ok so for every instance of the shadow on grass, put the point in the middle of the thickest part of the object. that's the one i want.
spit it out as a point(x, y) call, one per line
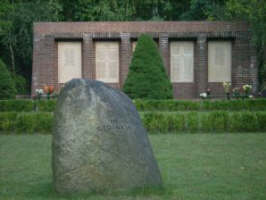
point(46, 191)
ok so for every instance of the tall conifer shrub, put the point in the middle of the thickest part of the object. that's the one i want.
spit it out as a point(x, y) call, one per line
point(147, 78)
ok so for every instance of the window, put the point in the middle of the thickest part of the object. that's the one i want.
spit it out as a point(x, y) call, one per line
point(219, 61)
point(182, 61)
point(107, 62)
point(69, 61)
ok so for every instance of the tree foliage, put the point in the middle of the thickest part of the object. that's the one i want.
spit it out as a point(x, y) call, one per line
point(16, 24)
point(147, 78)
point(204, 9)
point(7, 85)
point(254, 12)
point(17, 16)
point(122, 10)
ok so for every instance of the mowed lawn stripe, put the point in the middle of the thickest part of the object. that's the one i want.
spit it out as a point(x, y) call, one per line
point(201, 166)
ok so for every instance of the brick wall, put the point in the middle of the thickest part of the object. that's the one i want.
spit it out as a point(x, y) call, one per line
point(46, 36)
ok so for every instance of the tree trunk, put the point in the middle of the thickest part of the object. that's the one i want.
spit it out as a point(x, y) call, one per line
point(12, 59)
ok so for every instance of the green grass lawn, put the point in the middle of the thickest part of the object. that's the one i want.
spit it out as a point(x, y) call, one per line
point(193, 166)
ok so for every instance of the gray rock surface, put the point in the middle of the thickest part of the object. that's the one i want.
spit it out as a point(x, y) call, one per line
point(99, 142)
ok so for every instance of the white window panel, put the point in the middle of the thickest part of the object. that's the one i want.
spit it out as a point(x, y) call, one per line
point(219, 61)
point(69, 61)
point(134, 44)
point(107, 62)
point(182, 61)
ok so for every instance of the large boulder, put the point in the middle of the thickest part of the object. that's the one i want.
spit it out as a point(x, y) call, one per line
point(99, 142)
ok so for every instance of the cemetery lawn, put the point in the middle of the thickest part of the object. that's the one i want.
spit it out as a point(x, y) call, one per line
point(193, 166)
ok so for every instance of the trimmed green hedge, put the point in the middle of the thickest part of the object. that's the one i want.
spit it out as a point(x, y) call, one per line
point(207, 122)
point(146, 105)
point(27, 105)
point(203, 105)
point(26, 122)
point(164, 122)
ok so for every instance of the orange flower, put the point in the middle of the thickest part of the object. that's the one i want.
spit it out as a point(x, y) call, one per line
point(51, 89)
point(46, 89)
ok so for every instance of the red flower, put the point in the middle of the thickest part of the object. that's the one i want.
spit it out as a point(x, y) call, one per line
point(48, 89)
point(51, 89)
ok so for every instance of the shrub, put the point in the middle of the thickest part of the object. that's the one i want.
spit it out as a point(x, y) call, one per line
point(163, 122)
point(218, 121)
point(44, 122)
point(146, 105)
point(37, 122)
point(16, 105)
point(7, 121)
point(27, 105)
point(261, 117)
point(204, 122)
point(45, 105)
point(147, 78)
point(213, 122)
point(7, 85)
point(192, 122)
point(176, 123)
point(26, 122)
point(20, 84)
point(181, 105)
point(155, 122)
point(249, 121)
point(243, 122)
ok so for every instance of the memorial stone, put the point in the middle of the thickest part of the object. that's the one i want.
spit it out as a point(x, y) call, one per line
point(99, 142)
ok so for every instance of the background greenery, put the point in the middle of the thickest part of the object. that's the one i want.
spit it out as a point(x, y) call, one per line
point(17, 17)
point(201, 167)
point(7, 85)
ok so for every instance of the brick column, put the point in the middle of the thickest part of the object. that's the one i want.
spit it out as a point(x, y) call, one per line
point(125, 57)
point(88, 57)
point(35, 62)
point(201, 66)
point(49, 63)
point(244, 62)
point(44, 63)
point(164, 50)
point(253, 68)
point(236, 67)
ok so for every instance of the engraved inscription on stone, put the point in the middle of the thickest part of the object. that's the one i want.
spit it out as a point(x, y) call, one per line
point(182, 61)
point(113, 124)
point(219, 61)
point(107, 62)
point(69, 61)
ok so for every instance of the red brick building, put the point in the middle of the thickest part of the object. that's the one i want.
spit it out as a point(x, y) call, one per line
point(197, 55)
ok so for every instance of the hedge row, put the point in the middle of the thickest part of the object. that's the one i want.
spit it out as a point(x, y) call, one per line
point(146, 105)
point(203, 105)
point(27, 105)
point(213, 122)
point(164, 122)
point(26, 122)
